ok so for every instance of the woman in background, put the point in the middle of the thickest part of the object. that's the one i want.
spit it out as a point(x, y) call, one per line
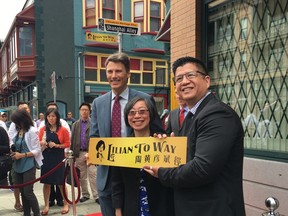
point(4, 149)
point(54, 139)
point(27, 155)
point(134, 191)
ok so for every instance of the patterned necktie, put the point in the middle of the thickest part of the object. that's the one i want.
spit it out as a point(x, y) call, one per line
point(181, 117)
point(116, 118)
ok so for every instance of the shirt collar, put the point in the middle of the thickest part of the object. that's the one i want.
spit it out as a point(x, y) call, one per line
point(194, 108)
point(124, 94)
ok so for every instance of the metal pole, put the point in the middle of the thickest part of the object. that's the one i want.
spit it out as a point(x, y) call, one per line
point(71, 162)
point(119, 42)
point(79, 78)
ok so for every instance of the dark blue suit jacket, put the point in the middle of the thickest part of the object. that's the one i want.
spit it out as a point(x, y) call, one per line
point(210, 183)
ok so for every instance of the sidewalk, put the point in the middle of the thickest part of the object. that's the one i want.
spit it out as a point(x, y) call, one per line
point(7, 203)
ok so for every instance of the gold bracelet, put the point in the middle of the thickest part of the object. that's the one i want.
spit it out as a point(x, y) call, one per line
point(25, 154)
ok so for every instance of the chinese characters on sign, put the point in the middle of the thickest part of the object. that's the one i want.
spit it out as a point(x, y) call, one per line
point(137, 152)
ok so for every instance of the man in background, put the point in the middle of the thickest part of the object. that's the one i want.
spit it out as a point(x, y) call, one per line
point(69, 119)
point(176, 117)
point(79, 146)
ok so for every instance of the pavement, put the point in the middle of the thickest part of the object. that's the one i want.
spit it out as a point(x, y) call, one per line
point(80, 209)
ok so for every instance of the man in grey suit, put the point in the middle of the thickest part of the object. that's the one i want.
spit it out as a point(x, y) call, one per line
point(210, 183)
point(174, 123)
point(118, 73)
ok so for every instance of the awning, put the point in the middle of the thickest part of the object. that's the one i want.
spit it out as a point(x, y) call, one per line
point(164, 32)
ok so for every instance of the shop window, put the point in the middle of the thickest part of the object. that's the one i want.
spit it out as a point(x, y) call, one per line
point(135, 64)
point(252, 74)
point(135, 78)
point(103, 77)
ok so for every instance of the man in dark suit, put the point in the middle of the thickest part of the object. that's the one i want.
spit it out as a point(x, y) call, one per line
point(210, 183)
point(118, 73)
point(177, 116)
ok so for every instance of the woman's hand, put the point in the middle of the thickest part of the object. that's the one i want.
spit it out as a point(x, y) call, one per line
point(118, 212)
point(17, 155)
point(151, 170)
point(43, 144)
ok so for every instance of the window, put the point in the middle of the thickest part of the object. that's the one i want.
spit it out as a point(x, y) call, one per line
point(244, 26)
point(243, 60)
point(257, 85)
point(151, 20)
point(143, 71)
point(108, 9)
point(155, 16)
point(25, 37)
point(90, 68)
point(139, 13)
point(90, 13)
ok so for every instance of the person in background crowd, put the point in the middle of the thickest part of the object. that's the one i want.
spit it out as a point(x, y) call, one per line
point(210, 183)
point(41, 119)
point(27, 155)
point(2, 124)
point(134, 191)
point(118, 74)
point(54, 138)
point(55, 193)
point(79, 146)
point(4, 149)
point(69, 119)
point(177, 116)
point(4, 118)
point(164, 118)
point(12, 132)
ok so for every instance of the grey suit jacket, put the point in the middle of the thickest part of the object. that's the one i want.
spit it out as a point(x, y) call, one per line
point(101, 127)
point(173, 122)
point(75, 136)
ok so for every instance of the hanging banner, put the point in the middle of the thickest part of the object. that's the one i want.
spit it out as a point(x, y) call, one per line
point(136, 152)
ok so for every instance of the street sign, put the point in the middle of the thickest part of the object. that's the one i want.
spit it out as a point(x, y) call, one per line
point(118, 26)
point(105, 38)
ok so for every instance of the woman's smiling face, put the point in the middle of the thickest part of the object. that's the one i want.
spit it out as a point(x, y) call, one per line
point(138, 117)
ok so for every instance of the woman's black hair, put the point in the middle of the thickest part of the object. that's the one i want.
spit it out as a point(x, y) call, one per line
point(22, 120)
point(131, 103)
point(55, 111)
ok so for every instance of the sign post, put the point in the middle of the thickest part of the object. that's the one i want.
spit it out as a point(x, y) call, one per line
point(53, 85)
point(120, 27)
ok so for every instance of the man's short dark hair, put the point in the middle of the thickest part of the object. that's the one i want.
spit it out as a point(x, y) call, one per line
point(85, 104)
point(119, 58)
point(22, 102)
point(51, 104)
point(188, 59)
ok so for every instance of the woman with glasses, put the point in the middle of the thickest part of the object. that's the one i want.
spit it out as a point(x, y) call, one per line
point(135, 192)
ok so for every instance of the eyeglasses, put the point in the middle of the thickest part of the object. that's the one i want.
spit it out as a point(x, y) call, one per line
point(189, 75)
point(140, 112)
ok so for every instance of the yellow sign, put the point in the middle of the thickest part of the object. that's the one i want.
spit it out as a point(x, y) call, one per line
point(121, 23)
point(105, 38)
point(137, 152)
